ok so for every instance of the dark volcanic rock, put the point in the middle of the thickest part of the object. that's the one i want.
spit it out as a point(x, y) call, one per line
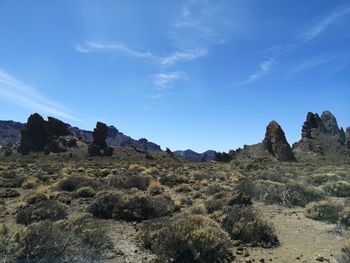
point(56, 128)
point(312, 124)
point(273, 147)
point(38, 135)
point(33, 135)
point(321, 139)
point(347, 135)
point(276, 143)
point(99, 144)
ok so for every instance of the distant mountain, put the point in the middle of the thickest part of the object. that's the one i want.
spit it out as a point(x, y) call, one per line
point(10, 132)
point(194, 156)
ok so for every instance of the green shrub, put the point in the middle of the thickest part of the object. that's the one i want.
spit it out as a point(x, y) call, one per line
point(129, 207)
point(41, 210)
point(187, 239)
point(324, 211)
point(246, 225)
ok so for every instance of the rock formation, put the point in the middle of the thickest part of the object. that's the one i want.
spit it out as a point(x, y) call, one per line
point(347, 135)
point(276, 143)
point(49, 136)
point(273, 147)
point(321, 138)
point(33, 135)
point(99, 145)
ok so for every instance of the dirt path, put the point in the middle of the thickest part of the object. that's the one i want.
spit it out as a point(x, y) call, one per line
point(128, 248)
point(302, 239)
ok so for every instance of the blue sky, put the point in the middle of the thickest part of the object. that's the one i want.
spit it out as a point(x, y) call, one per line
point(184, 74)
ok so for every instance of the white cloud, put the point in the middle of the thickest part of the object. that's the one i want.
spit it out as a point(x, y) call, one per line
point(264, 68)
point(90, 47)
point(326, 22)
point(117, 48)
point(166, 80)
point(22, 94)
point(179, 56)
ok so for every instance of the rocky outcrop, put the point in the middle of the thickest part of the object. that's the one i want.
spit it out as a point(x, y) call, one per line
point(276, 143)
point(347, 134)
point(38, 135)
point(321, 139)
point(99, 145)
point(33, 135)
point(273, 147)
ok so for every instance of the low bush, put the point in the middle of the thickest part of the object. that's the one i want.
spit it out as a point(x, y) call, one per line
point(85, 192)
point(129, 207)
point(81, 240)
point(344, 217)
point(129, 181)
point(9, 193)
point(73, 183)
point(41, 210)
point(172, 180)
point(246, 225)
point(338, 189)
point(289, 194)
point(187, 238)
point(324, 211)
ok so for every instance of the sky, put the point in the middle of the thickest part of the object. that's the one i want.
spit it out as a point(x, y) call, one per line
point(185, 74)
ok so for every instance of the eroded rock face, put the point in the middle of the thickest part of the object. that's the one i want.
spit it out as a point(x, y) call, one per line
point(33, 134)
point(40, 135)
point(321, 139)
point(276, 143)
point(99, 144)
point(347, 134)
point(312, 125)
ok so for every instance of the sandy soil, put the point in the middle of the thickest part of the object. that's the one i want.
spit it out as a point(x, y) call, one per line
point(302, 239)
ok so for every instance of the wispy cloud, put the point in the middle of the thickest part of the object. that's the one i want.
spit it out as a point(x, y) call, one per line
point(165, 81)
point(202, 21)
point(325, 22)
point(22, 94)
point(317, 61)
point(264, 68)
point(178, 56)
point(118, 48)
point(94, 47)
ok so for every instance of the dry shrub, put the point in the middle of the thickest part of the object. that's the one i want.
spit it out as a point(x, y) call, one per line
point(324, 211)
point(41, 210)
point(248, 226)
point(9, 193)
point(129, 181)
point(183, 188)
point(129, 207)
point(173, 180)
point(80, 240)
point(288, 194)
point(73, 183)
point(86, 192)
point(338, 189)
point(187, 238)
